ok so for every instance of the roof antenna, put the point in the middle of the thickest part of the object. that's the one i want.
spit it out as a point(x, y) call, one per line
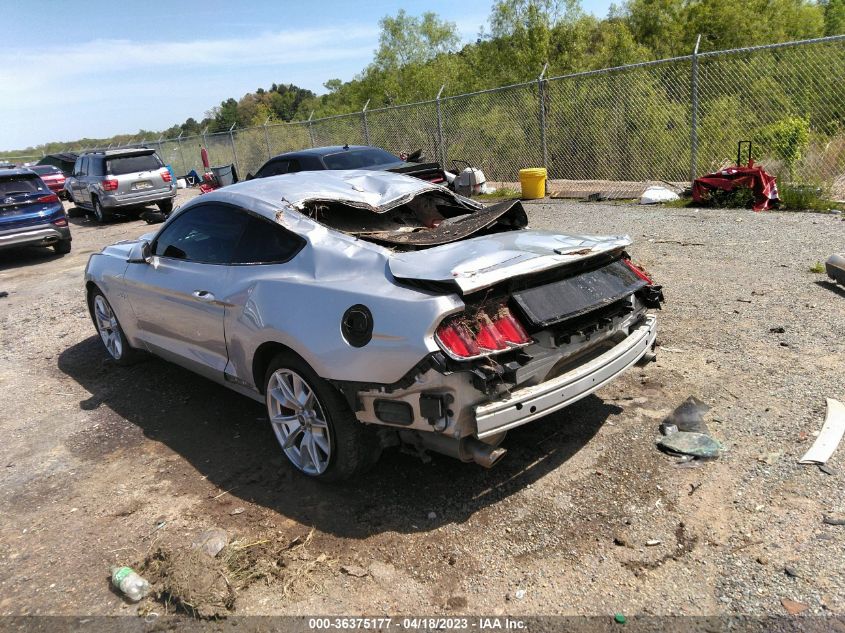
point(346, 146)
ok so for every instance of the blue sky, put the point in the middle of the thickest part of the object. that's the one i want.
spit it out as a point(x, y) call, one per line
point(74, 68)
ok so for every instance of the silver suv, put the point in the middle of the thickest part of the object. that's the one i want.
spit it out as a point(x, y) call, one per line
point(122, 180)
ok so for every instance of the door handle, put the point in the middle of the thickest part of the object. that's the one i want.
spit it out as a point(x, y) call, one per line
point(203, 295)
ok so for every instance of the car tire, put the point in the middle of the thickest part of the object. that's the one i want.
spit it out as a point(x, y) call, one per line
point(110, 331)
point(165, 206)
point(324, 440)
point(62, 247)
point(100, 214)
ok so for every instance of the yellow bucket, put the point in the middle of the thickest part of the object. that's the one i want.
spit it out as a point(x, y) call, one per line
point(533, 182)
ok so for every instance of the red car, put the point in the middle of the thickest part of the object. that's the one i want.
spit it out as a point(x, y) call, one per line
point(52, 177)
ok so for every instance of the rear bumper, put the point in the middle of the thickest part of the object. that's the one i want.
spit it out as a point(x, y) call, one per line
point(524, 405)
point(136, 199)
point(34, 235)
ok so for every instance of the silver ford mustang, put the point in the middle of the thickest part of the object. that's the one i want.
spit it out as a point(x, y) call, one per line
point(369, 309)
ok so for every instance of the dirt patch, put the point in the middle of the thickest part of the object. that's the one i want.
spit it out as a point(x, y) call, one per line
point(189, 580)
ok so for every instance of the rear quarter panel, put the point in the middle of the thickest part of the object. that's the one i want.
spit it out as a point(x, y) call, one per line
point(301, 304)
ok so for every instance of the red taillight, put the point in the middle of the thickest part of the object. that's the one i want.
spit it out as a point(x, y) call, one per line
point(466, 337)
point(511, 329)
point(110, 184)
point(437, 179)
point(489, 336)
point(49, 198)
point(165, 175)
point(456, 338)
point(639, 272)
point(60, 222)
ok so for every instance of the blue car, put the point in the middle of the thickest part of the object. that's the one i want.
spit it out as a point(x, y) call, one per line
point(31, 214)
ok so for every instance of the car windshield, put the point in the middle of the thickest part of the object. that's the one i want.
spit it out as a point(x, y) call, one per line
point(132, 164)
point(20, 184)
point(359, 158)
point(44, 170)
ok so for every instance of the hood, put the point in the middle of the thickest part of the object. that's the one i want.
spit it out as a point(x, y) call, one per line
point(480, 262)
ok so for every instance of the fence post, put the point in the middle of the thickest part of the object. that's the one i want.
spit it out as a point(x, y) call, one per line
point(267, 138)
point(160, 150)
point(232, 141)
point(693, 168)
point(366, 125)
point(181, 153)
point(441, 149)
point(310, 129)
point(542, 98)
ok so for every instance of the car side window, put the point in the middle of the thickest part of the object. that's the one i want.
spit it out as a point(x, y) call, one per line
point(83, 170)
point(274, 168)
point(264, 242)
point(207, 234)
point(77, 167)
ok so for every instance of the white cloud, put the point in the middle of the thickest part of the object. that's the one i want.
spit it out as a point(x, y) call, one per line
point(28, 72)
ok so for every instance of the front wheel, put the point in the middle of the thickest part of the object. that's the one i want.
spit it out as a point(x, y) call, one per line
point(108, 327)
point(314, 425)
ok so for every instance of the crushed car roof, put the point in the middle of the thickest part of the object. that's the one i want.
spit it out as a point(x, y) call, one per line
point(378, 191)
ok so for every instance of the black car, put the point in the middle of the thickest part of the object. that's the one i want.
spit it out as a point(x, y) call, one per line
point(349, 157)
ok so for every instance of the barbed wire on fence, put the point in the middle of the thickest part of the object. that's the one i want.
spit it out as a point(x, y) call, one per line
point(663, 120)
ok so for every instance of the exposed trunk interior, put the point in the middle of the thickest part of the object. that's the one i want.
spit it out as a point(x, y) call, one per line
point(429, 219)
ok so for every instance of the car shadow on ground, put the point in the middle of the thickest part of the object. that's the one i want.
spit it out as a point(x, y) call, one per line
point(82, 218)
point(226, 437)
point(22, 256)
point(832, 286)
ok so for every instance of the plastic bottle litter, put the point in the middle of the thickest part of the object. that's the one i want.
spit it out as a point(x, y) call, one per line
point(130, 583)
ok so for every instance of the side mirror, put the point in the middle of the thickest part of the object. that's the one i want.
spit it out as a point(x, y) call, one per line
point(146, 255)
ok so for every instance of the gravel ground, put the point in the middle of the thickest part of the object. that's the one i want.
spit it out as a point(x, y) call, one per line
point(104, 464)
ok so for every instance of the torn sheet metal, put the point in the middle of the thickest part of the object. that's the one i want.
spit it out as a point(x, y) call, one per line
point(830, 435)
point(378, 191)
point(480, 262)
point(453, 229)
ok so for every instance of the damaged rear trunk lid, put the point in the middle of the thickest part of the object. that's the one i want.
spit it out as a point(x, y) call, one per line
point(480, 262)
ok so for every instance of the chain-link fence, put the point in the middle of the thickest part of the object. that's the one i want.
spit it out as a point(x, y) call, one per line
point(607, 130)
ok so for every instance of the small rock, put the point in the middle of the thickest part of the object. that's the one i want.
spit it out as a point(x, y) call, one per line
point(784, 344)
point(762, 560)
point(832, 519)
point(621, 541)
point(354, 570)
point(777, 330)
point(653, 542)
point(432, 516)
point(211, 541)
point(792, 607)
point(791, 572)
point(667, 428)
point(3, 294)
point(237, 511)
point(520, 594)
point(770, 458)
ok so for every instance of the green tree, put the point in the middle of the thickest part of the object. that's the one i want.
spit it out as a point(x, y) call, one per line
point(834, 17)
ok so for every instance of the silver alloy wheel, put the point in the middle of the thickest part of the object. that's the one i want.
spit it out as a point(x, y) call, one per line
point(108, 327)
point(299, 422)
